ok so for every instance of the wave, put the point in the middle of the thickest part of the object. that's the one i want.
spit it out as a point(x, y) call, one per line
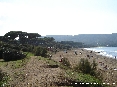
point(105, 51)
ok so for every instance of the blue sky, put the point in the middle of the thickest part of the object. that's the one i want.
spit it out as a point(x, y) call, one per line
point(59, 17)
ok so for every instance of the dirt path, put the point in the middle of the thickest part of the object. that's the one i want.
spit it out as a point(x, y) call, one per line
point(34, 74)
point(37, 75)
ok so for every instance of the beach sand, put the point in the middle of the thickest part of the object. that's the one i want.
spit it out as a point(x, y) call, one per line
point(107, 66)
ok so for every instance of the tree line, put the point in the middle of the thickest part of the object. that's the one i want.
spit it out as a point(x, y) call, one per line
point(12, 48)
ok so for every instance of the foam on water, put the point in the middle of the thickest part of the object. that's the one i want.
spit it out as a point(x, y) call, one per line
point(105, 51)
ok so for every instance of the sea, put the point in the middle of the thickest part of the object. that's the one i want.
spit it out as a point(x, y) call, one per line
point(105, 51)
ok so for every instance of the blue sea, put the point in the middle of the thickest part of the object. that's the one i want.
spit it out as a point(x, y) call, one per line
point(105, 51)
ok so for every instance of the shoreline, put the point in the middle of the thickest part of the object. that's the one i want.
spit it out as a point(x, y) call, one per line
point(102, 52)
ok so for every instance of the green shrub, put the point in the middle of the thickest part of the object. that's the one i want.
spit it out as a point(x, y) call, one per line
point(93, 68)
point(44, 52)
point(37, 51)
point(65, 64)
point(40, 51)
point(85, 67)
point(11, 55)
point(26, 48)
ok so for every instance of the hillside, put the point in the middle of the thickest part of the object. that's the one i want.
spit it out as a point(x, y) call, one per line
point(90, 39)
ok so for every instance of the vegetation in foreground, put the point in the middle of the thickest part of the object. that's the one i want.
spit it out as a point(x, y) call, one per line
point(83, 72)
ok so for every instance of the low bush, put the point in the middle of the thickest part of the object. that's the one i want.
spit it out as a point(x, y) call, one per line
point(65, 64)
point(85, 67)
point(26, 48)
point(11, 55)
point(40, 51)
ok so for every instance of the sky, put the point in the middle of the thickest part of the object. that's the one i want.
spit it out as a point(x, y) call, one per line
point(58, 17)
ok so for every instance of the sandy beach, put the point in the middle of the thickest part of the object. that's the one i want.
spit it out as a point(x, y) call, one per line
point(107, 66)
